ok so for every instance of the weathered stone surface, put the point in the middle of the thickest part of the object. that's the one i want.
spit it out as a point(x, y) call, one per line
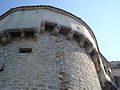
point(51, 57)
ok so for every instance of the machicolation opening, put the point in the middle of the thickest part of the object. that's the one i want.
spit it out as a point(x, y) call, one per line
point(64, 30)
point(15, 34)
point(49, 27)
point(29, 34)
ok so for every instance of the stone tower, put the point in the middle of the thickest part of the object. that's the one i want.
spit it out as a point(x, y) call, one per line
point(46, 48)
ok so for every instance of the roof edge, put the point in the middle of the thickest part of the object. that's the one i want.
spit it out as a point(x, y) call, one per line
point(51, 8)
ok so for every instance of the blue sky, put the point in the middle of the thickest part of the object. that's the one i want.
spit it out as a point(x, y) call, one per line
point(103, 16)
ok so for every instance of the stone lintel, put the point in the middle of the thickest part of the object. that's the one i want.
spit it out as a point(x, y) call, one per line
point(48, 22)
point(13, 30)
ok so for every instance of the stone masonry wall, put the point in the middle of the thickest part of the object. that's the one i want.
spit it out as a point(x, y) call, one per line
point(54, 64)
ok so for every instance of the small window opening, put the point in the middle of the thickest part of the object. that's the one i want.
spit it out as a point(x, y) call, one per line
point(1, 68)
point(29, 34)
point(49, 27)
point(15, 34)
point(92, 54)
point(25, 50)
point(86, 44)
point(76, 37)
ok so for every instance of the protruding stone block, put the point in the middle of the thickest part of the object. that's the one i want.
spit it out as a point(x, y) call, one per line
point(95, 57)
point(70, 34)
point(22, 33)
point(89, 49)
point(81, 42)
point(42, 27)
point(8, 36)
point(4, 41)
point(56, 30)
point(97, 64)
point(35, 33)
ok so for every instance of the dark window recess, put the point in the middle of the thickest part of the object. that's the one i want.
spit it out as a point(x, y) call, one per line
point(76, 37)
point(49, 27)
point(92, 54)
point(86, 44)
point(15, 34)
point(64, 31)
point(105, 69)
point(117, 83)
point(25, 50)
point(0, 40)
point(29, 34)
point(1, 68)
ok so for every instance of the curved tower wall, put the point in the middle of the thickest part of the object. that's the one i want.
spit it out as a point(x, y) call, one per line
point(45, 49)
point(33, 18)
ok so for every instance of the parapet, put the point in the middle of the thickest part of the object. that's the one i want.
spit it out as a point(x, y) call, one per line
point(30, 21)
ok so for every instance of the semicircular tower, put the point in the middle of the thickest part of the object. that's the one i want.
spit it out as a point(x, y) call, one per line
point(46, 48)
